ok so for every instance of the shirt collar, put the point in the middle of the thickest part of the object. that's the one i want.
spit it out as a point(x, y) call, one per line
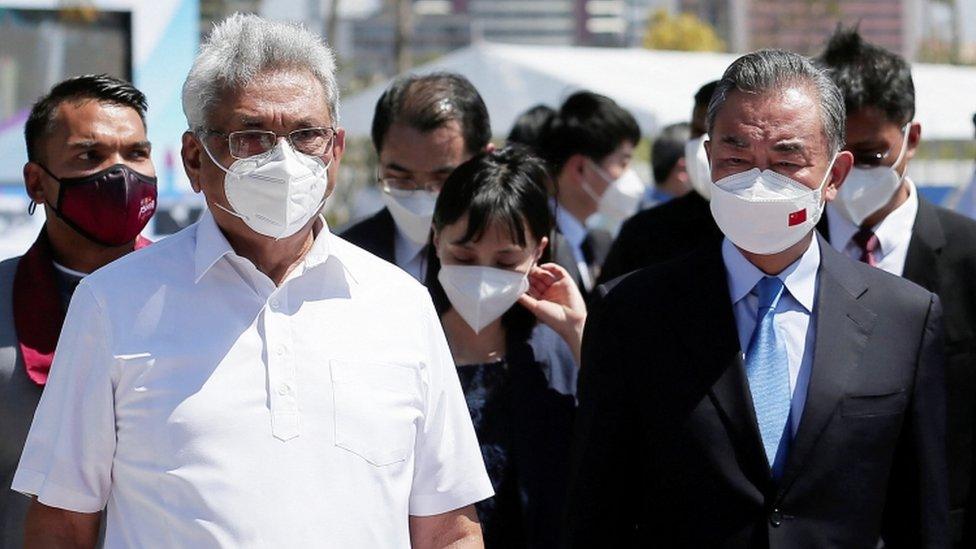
point(212, 245)
point(800, 278)
point(572, 230)
point(894, 231)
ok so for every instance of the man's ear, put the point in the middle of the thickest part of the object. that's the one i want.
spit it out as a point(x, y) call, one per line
point(490, 147)
point(34, 182)
point(914, 138)
point(192, 155)
point(838, 173)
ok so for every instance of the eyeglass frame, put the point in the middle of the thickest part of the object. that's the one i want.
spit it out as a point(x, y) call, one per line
point(878, 158)
point(204, 132)
point(429, 186)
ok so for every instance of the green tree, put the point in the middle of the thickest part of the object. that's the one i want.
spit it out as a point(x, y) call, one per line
point(684, 32)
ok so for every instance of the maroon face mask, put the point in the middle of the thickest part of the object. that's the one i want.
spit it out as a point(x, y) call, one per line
point(110, 207)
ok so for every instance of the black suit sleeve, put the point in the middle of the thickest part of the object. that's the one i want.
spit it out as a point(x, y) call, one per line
point(602, 507)
point(619, 260)
point(917, 510)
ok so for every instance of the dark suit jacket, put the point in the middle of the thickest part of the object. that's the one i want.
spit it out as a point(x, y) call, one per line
point(942, 259)
point(562, 254)
point(667, 452)
point(659, 234)
point(375, 234)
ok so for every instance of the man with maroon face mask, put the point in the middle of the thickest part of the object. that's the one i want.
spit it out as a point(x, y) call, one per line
point(89, 168)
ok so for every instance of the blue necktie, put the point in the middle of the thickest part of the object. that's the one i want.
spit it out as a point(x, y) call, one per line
point(768, 372)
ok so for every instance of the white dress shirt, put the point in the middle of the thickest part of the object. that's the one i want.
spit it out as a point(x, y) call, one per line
point(894, 234)
point(410, 256)
point(575, 233)
point(795, 320)
point(208, 407)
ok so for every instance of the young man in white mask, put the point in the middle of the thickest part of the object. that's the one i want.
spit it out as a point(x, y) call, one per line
point(763, 391)
point(254, 381)
point(678, 226)
point(589, 145)
point(424, 127)
point(880, 218)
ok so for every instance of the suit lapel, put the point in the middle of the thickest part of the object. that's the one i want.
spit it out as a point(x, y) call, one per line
point(843, 327)
point(927, 241)
point(720, 356)
point(386, 236)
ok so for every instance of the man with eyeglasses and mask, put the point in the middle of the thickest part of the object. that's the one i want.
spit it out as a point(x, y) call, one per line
point(89, 169)
point(254, 380)
point(424, 127)
point(764, 390)
point(880, 218)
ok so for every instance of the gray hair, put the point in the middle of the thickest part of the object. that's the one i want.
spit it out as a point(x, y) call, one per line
point(242, 47)
point(768, 70)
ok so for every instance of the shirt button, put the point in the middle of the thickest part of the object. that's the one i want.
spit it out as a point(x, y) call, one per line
point(776, 518)
point(275, 304)
point(280, 350)
point(284, 389)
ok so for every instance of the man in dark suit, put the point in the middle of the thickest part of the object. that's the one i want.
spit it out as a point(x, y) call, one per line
point(880, 218)
point(763, 391)
point(589, 145)
point(676, 227)
point(424, 127)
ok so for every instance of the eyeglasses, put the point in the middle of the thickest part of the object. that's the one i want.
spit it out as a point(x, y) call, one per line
point(403, 187)
point(873, 159)
point(247, 143)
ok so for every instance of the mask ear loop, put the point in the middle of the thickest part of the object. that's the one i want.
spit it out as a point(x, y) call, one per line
point(901, 154)
point(32, 207)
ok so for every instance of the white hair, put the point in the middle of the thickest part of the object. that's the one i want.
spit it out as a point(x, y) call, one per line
point(242, 47)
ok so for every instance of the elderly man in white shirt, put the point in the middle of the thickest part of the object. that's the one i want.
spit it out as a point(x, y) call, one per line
point(254, 381)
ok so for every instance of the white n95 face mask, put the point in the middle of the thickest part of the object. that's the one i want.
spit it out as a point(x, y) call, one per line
point(412, 213)
point(623, 194)
point(696, 164)
point(275, 193)
point(867, 190)
point(481, 294)
point(765, 212)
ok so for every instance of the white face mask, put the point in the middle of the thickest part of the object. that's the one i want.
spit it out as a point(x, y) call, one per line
point(867, 190)
point(412, 213)
point(481, 294)
point(622, 197)
point(275, 193)
point(765, 212)
point(696, 164)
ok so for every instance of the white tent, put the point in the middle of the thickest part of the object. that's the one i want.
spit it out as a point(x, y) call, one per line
point(657, 86)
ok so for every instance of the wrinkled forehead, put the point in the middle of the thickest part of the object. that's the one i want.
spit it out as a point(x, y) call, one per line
point(783, 117)
point(274, 97)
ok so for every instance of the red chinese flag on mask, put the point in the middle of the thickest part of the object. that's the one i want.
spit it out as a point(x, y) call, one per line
point(797, 217)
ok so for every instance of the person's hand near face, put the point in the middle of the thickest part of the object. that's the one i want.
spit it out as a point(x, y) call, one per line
point(556, 301)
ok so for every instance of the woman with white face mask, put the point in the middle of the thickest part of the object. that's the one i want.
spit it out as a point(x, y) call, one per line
point(492, 287)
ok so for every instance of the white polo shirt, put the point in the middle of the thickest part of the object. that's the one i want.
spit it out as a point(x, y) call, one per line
point(209, 408)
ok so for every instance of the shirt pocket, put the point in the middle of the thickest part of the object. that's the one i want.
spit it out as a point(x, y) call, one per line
point(882, 403)
point(377, 406)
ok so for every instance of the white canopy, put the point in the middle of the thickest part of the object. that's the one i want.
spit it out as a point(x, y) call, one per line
point(657, 86)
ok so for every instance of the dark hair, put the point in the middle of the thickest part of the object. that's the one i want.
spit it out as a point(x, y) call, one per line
point(99, 87)
point(590, 124)
point(530, 125)
point(668, 148)
point(704, 94)
point(427, 102)
point(508, 185)
point(772, 70)
point(869, 76)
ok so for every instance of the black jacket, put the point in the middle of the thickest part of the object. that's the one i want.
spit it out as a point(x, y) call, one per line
point(375, 234)
point(666, 449)
point(661, 233)
point(942, 259)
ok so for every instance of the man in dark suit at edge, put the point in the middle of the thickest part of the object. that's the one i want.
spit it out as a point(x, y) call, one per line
point(880, 218)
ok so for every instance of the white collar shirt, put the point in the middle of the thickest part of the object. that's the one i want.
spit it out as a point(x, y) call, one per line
point(795, 320)
point(410, 256)
point(894, 234)
point(208, 407)
point(575, 234)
